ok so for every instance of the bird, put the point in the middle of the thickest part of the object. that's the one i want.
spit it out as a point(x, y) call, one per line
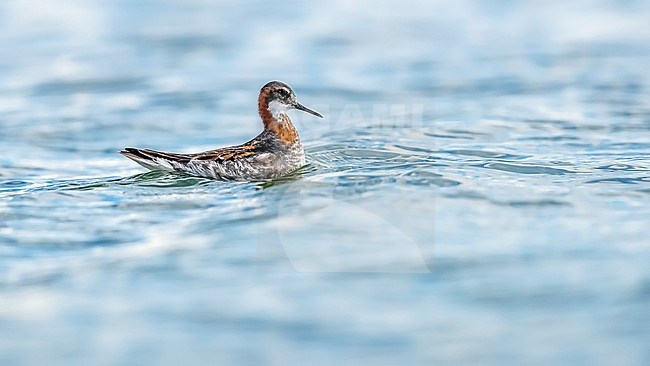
point(274, 153)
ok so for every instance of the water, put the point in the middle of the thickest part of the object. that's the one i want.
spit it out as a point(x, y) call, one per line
point(478, 193)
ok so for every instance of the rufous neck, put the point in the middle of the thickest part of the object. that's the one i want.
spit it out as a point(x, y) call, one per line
point(280, 125)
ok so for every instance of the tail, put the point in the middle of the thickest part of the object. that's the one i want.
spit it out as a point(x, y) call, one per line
point(156, 160)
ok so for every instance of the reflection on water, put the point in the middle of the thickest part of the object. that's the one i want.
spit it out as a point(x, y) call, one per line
point(478, 191)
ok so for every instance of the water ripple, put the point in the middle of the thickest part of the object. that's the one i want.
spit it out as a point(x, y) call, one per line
point(484, 154)
point(88, 86)
point(526, 169)
point(623, 180)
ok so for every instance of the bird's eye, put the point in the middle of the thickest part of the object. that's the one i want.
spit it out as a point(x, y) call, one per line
point(283, 92)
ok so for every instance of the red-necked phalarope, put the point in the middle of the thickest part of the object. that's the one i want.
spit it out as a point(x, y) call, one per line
point(273, 153)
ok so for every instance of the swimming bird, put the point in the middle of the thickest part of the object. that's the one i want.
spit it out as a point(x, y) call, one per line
point(273, 153)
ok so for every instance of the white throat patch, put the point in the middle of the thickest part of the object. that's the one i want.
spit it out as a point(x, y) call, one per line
point(278, 109)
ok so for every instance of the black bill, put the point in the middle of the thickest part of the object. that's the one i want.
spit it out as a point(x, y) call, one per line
point(305, 109)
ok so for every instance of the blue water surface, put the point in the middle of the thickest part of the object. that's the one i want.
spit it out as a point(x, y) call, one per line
point(478, 193)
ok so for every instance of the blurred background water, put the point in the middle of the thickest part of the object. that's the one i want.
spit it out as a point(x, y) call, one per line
point(478, 192)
